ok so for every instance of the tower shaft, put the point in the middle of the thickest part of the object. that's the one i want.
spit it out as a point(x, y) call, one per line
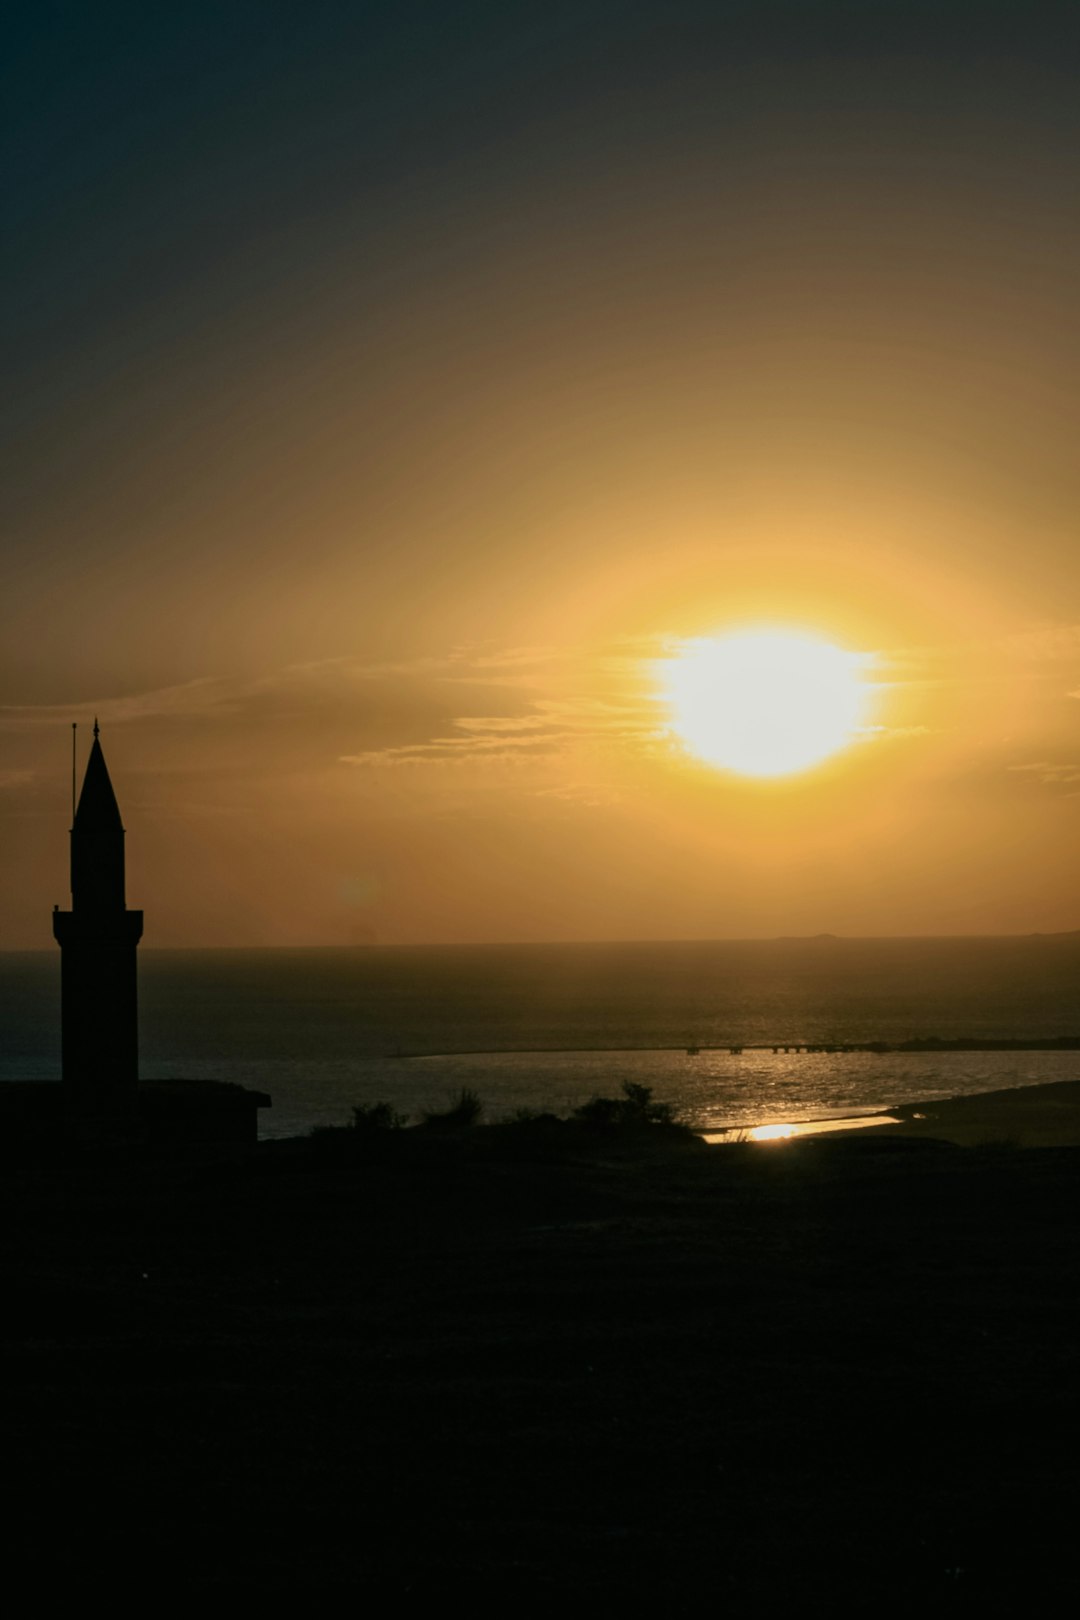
point(98, 939)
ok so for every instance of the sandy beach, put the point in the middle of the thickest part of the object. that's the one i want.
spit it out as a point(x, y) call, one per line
point(1026, 1116)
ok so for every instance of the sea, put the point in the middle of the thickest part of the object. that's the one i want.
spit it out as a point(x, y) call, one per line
point(549, 1026)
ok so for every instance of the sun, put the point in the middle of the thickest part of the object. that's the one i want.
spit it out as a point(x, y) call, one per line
point(765, 702)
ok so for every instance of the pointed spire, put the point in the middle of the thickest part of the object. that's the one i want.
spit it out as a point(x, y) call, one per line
point(97, 806)
point(97, 841)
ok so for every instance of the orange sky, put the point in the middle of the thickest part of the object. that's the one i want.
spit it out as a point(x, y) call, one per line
point(365, 455)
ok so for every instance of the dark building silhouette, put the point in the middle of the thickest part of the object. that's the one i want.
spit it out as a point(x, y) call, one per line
point(98, 939)
point(101, 1099)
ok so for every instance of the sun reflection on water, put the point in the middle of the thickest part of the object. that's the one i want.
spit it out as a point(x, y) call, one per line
point(784, 1130)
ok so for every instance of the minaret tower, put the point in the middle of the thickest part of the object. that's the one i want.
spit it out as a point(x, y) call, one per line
point(97, 939)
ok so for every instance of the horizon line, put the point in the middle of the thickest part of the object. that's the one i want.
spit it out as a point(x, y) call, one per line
point(533, 944)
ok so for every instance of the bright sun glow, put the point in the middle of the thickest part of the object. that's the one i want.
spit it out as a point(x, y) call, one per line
point(765, 703)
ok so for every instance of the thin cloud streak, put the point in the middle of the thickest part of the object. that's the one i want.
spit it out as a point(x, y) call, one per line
point(190, 698)
point(1052, 775)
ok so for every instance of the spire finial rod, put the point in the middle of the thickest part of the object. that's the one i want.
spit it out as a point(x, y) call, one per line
point(95, 726)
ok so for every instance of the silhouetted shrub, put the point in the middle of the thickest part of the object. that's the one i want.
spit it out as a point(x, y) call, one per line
point(377, 1130)
point(529, 1135)
point(368, 1118)
point(634, 1110)
point(599, 1113)
point(464, 1110)
point(528, 1116)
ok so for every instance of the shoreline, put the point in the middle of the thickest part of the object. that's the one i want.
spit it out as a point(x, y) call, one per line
point(1042, 1115)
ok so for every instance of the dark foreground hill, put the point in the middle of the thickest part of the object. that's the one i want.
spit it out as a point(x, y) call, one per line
point(523, 1371)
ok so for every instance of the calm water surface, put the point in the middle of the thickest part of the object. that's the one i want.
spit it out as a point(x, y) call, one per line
point(533, 1025)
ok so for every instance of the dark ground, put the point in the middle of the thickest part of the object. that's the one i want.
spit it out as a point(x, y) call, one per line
point(527, 1375)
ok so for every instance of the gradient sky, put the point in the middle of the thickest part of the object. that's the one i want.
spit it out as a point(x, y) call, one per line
point(389, 386)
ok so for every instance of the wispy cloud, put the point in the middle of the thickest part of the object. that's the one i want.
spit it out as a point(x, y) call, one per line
point(590, 794)
point(479, 665)
point(191, 697)
point(478, 705)
point(1041, 652)
point(1048, 772)
point(549, 727)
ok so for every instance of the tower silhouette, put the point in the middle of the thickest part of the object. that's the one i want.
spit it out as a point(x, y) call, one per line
point(97, 939)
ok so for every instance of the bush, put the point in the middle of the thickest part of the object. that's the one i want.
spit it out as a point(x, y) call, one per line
point(634, 1110)
point(369, 1118)
point(599, 1113)
point(465, 1110)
